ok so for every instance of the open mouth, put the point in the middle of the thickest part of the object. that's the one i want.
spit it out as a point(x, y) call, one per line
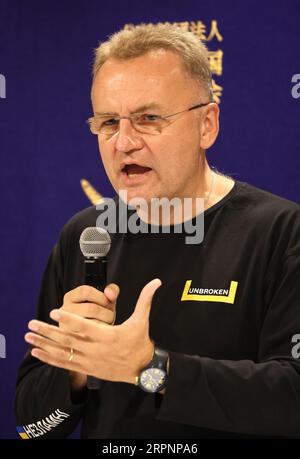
point(133, 170)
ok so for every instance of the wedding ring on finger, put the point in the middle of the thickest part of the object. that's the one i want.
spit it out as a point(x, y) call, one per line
point(71, 355)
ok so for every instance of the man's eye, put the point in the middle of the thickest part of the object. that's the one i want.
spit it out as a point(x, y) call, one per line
point(110, 122)
point(146, 118)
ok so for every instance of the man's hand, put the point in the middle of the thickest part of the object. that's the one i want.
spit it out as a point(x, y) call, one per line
point(113, 353)
point(88, 302)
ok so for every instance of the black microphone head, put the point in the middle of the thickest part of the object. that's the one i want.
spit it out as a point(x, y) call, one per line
point(94, 242)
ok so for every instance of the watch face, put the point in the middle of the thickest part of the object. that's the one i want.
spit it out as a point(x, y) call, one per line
point(152, 379)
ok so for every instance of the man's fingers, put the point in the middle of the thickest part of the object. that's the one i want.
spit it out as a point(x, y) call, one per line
point(143, 305)
point(112, 291)
point(55, 334)
point(86, 293)
point(59, 360)
point(80, 325)
point(91, 311)
point(48, 345)
point(90, 303)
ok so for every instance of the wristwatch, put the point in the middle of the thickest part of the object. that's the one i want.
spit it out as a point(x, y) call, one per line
point(153, 377)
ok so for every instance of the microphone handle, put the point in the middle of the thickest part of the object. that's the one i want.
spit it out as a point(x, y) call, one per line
point(95, 276)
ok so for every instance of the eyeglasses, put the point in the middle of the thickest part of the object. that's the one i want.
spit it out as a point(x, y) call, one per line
point(145, 123)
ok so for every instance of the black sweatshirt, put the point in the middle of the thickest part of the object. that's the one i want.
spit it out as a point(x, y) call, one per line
point(227, 311)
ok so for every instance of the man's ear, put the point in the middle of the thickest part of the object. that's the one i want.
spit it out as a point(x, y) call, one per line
point(209, 128)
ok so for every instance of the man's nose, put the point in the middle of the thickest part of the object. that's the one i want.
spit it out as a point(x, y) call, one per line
point(127, 138)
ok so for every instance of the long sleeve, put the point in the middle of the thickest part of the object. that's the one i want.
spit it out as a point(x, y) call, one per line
point(43, 405)
point(260, 397)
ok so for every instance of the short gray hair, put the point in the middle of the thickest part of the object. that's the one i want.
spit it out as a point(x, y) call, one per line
point(134, 42)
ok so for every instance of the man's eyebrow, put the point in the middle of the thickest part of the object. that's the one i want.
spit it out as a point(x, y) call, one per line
point(142, 108)
point(151, 106)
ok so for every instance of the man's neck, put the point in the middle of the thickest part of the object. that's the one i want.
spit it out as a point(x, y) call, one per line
point(166, 212)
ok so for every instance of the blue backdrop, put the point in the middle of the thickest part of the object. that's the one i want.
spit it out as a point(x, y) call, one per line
point(46, 148)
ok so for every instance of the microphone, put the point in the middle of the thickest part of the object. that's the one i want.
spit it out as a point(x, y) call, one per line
point(95, 244)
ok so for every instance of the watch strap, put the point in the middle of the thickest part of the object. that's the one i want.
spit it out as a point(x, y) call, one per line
point(159, 359)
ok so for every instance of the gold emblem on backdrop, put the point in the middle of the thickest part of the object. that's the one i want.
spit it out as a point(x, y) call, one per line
point(91, 193)
point(216, 66)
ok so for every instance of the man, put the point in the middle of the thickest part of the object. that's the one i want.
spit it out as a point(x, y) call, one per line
point(215, 320)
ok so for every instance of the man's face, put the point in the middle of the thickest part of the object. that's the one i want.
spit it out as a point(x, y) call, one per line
point(171, 161)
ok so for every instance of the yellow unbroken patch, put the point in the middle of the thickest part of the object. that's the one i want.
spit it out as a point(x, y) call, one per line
point(197, 294)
